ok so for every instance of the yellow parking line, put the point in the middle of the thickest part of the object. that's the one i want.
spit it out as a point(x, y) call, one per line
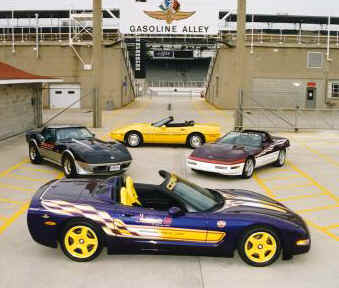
point(21, 177)
point(41, 170)
point(291, 186)
point(317, 209)
point(15, 216)
point(3, 218)
point(301, 197)
point(323, 229)
point(261, 183)
point(21, 211)
point(18, 188)
point(323, 156)
point(16, 166)
point(330, 227)
point(3, 200)
point(315, 183)
point(287, 177)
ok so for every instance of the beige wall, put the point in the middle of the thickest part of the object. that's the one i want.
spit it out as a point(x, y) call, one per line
point(279, 63)
point(61, 62)
point(19, 108)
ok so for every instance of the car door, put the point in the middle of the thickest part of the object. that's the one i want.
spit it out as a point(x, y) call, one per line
point(149, 228)
point(48, 148)
point(268, 155)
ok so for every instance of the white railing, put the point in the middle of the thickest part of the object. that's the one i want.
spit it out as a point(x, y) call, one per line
point(176, 84)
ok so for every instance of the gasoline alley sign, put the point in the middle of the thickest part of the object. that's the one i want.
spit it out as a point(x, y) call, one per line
point(169, 17)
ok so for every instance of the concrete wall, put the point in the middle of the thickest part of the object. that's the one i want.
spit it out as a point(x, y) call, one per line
point(60, 61)
point(271, 75)
point(19, 108)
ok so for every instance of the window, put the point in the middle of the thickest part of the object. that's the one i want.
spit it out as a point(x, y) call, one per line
point(49, 135)
point(58, 92)
point(335, 90)
point(314, 60)
point(71, 92)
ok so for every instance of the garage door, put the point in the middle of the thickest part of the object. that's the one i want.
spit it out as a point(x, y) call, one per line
point(64, 95)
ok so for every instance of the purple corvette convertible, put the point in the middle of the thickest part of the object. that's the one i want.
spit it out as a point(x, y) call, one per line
point(84, 216)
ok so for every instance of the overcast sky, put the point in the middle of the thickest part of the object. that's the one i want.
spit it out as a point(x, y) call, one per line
point(293, 7)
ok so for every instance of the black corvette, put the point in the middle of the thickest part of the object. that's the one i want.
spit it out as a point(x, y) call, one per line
point(77, 150)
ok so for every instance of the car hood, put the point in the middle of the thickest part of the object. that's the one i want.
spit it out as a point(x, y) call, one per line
point(224, 152)
point(95, 151)
point(247, 201)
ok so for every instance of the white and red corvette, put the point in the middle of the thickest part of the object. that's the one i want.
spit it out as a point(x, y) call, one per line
point(239, 153)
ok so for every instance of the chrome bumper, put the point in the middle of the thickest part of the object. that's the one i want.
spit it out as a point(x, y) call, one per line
point(101, 169)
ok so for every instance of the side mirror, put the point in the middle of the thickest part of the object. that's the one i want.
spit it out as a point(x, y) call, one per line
point(40, 138)
point(176, 212)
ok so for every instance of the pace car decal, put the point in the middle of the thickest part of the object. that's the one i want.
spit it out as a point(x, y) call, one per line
point(117, 228)
point(270, 148)
point(234, 201)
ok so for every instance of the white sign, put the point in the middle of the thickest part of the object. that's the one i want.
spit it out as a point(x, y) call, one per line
point(198, 17)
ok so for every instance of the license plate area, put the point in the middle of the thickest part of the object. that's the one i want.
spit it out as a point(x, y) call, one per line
point(114, 168)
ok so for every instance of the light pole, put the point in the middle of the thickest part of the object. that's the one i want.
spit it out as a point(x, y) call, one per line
point(241, 59)
point(97, 63)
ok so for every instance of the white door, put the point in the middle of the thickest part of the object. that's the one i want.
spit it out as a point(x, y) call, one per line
point(64, 95)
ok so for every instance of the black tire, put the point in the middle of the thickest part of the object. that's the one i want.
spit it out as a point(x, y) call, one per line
point(78, 253)
point(34, 154)
point(68, 165)
point(195, 140)
point(248, 169)
point(133, 139)
point(269, 251)
point(281, 159)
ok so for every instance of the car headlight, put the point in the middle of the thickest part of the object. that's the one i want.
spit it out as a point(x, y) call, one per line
point(305, 242)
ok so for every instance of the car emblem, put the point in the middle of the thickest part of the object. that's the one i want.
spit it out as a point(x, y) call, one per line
point(45, 216)
point(112, 157)
point(221, 224)
point(210, 157)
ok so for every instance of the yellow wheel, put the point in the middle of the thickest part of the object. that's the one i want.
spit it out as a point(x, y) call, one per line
point(81, 242)
point(260, 247)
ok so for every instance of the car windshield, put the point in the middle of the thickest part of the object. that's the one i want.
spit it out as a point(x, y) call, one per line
point(73, 133)
point(162, 122)
point(245, 139)
point(196, 198)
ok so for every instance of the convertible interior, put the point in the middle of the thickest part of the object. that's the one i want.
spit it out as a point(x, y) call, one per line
point(169, 122)
point(145, 195)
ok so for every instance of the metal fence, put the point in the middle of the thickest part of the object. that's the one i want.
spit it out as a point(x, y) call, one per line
point(269, 116)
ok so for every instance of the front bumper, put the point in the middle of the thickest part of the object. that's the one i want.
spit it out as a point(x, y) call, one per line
point(102, 169)
point(117, 136)
point(223, 169)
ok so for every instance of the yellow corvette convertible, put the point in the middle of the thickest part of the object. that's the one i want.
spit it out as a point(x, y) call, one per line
point(167, 132)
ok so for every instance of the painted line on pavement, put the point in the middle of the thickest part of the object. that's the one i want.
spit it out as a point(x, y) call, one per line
point(301, 197)
point(290, 186)
point(324, 190)
point(323, 229)
point(39, 170)
point(317, 209)
point(3, 200)
point(17, 188)
point(14, 167)
point(22, 177)
point(24, 205)
point(287, 177)
point(315, 183)
point(14, 216)
point(328, 159)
